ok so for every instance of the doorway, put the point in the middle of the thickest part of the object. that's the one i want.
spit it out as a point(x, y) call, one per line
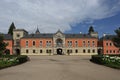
point(17, 51)
point(59, 51)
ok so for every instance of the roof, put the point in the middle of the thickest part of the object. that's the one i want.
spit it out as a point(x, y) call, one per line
point(78, 36)
point(7, 36)
point(20, 30)
point(107, 37)
point(39, 36)
point(50, 35)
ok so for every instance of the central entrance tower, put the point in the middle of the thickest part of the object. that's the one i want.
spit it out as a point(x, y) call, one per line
point(59, 43)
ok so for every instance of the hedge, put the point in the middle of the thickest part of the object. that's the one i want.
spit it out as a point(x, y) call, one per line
point(110, 61)
point(11, 60)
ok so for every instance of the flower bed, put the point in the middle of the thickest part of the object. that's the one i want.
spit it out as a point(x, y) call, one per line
point(11, 60)
point(110, 61)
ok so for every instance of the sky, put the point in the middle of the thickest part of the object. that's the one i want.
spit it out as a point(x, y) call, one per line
point(70, 16)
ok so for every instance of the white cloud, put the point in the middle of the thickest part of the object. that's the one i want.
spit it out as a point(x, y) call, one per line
point(51, 15)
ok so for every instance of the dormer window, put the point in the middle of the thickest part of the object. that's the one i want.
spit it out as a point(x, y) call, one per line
point(18, 35)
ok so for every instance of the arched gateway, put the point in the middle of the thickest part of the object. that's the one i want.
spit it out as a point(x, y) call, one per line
point(59, 51)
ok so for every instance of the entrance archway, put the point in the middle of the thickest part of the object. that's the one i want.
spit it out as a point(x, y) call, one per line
point(59, 51)
point(99, 51)
point(18, 51)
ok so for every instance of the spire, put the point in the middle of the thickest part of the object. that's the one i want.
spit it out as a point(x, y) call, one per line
point(37, 31)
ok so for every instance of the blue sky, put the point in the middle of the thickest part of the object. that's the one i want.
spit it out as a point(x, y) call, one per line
point(70, 16)
point(103, 26)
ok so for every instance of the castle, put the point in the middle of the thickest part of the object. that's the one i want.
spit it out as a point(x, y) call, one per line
point(58, 43)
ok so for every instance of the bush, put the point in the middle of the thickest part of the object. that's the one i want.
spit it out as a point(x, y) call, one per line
point(110, 61)
point(11, 60)
point(22, 58)
point(97, 59)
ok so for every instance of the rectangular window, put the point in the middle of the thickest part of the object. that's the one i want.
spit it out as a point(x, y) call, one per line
point(33, 51)
point(33, 43)
point(76, 51)
point(107, 51)
point(106, 44)
point(93, 51)
point(26, 43)
point(110, 51)
point(41, 51)
point(48, 43)
point(110, 44)
point(84, 51)
point(40, 43)
point(76, 43)
point(88, 43)
point(88, 50)
point(93, 43)
point(84, 43)
point(69, 43)
point(27, 51)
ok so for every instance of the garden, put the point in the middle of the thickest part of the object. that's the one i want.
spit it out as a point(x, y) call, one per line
point(112, 61)
point(12, 60)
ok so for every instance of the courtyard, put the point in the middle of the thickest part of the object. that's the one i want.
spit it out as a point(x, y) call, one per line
point(59, 68)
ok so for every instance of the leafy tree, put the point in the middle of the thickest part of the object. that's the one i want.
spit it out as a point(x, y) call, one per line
point(116, 39)
point(91, 29)
point(2, 45)
point(12, 26)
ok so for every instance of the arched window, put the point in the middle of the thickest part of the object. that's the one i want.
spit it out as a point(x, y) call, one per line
point(84, 51)
point(59, 42)
point(88, 50)
point(33, 43)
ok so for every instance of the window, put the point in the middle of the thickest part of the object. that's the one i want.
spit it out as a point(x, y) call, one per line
point(41, 51)
point(33, 51)
point(40, 43)
point(27, 51)
point(114, 51)
point(110, 44)
point(47, 51)
point(18, 35)
point(48, 43)
point(50, 51)
point(93, 43)
point(69, 43)
point(88, 43)
point(84, 43)
point(106, 44)
point(69, 51)
point(84, 51)
point(93, 51)
point(110, 51)
point(33, 43)
point(88, 50)
point(107, 51)
point(26, 43)
point(76, 43)
point(76, 51)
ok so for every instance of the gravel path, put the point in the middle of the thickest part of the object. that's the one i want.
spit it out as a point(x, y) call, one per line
point(59, 68)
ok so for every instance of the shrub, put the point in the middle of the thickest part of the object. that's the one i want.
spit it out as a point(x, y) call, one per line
point(11, 60)
point(110, 61)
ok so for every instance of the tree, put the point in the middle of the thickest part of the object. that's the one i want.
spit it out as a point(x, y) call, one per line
point(12, 26)
point(2, 45)
point(116, 39)
point(91, 29)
